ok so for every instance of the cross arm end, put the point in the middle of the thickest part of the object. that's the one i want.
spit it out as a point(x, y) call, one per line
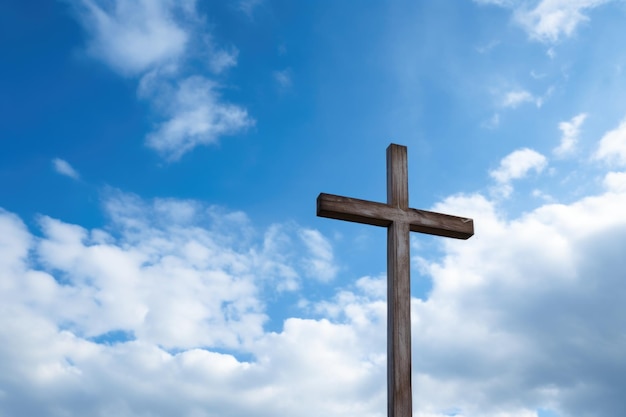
point(439, 224)
point(353, 210)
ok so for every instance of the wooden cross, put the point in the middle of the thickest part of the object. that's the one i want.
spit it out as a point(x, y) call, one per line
point(399, 219)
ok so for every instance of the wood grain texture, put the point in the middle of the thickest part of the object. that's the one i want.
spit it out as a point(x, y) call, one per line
point(399, 220)
point(380, 214)
point(397, 177)
point(399, 391)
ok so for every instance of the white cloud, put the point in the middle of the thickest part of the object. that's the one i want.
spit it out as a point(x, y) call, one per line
point(516, 97)
point(517, 165)
point(488, 47)
point(542, 195)
point(548, 20)
point(571, 132)
point(14, 244)
point(162, 278)
point(520, 302)
point(612, 146)
point(493, 122)
point(156, 40)
point(196, 115)
point(173, 286)
point(495, 2)
point(220, 60)
point(615, 181)
point(320, 264)
point(284, 78)
point(552, 19)
point(537, 75)
point(134, 36)
point(248, 6)
point(522, 315)
point(64, 168)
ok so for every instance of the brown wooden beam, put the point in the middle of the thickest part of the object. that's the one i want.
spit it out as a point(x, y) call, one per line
point(380, 214)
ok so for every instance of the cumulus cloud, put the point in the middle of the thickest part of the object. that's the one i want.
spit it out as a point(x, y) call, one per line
point(571, 132)
point(134, 318)
point(615, 181)
point(134, 36)
point(157, 41)
point(548, 20)
point(196, 115)
point(517, 165)
point(158, 276)
point(530, 289)
point(64, 168)
point(146, 289)
point(612, 146)
point(162, 312)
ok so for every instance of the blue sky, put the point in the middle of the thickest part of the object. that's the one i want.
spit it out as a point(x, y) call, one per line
point(159, 165)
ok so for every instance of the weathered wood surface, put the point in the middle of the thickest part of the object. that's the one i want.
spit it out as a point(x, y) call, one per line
point(399, 390)
point(381, 214)
point(399, 220)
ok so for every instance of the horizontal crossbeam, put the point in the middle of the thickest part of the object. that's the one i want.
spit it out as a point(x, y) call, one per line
point(380, 214)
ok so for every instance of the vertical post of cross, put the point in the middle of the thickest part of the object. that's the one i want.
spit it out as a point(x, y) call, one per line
point(399, 392)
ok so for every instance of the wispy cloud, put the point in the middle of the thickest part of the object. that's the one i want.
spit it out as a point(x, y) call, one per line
point(320, 263)
point(493, 122)
point(486, 48)
point(612, 146)
point(156, 40)
point(64, 168)
point(195, 115)
point(571, 132)
point(548, 20)
point(222, 59)
point(284, 78)
point(552, 19)
point(248, 6)
point(514, 98)
point(496, 2)
point(518, 96)
point(135, 36)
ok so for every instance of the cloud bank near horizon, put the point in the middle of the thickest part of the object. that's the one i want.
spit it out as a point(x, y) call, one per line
point(525, 315)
